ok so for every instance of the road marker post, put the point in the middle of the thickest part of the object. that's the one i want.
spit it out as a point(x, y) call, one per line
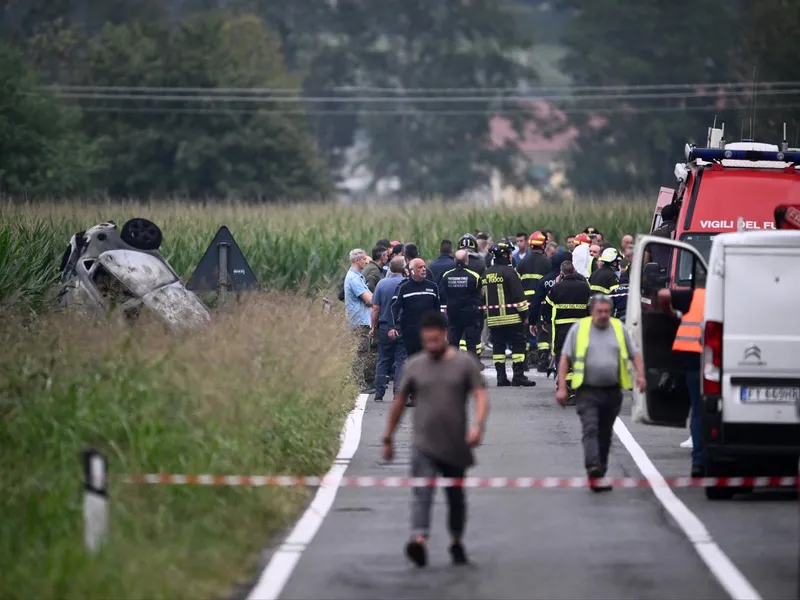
point(95, 500)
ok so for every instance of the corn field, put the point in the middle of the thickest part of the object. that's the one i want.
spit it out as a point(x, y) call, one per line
point(287, 246)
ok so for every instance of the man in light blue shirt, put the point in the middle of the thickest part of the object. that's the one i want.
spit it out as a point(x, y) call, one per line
point(357, 305)
point(391, 352)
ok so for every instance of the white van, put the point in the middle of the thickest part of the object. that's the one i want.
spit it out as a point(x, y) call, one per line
point(750, 373)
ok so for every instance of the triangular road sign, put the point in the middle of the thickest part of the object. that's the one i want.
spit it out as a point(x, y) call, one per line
point(206, 275)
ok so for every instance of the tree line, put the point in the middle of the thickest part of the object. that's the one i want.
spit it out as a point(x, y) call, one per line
point(266, 100)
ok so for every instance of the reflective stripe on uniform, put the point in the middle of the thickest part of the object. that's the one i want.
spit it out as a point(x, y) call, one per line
point(531, 276)
point(503, 320)
point(517, 358)
point(499, 358)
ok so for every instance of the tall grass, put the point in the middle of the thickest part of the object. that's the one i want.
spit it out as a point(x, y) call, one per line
point(287, 246)
point(244, 396)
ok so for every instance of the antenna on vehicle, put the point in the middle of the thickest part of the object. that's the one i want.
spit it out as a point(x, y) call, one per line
point(741, 136)
point(755, 100)
point(785, 143)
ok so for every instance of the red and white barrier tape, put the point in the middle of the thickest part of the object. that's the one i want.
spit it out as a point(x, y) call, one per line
point(474, 482)
point(493, 306)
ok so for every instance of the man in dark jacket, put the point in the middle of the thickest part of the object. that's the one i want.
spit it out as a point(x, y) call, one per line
point(569, 302)
point(460, 293)
point(415, 296)
point(444, 263)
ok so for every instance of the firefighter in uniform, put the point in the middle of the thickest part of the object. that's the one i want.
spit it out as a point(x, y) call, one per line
point(531, 270)
point(477, 264)
point(569, 303)
point(502, 287)
point(540, 313)
point(604, 280)
point(460, 294)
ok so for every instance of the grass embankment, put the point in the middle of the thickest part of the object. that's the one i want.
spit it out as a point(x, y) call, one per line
point(257, 392)
point(287, 246)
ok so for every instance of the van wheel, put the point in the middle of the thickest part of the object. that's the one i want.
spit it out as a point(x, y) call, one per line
point(720, 469)
point(720, 493)
point(142, 234)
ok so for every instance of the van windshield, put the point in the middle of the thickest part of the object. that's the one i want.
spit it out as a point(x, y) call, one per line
point(702, 243)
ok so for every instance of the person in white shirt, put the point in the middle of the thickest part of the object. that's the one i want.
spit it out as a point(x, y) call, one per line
point(580, 255)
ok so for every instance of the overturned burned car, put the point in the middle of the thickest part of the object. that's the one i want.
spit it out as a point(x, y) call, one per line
point(105, 269)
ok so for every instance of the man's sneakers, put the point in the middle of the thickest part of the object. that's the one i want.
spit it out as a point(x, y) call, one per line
point(417, 553)
point(594, 474)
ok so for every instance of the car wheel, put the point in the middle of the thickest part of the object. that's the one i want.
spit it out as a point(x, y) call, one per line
point(142, 234)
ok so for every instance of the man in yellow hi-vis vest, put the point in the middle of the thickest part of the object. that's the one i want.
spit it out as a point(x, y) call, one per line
point(600, 353)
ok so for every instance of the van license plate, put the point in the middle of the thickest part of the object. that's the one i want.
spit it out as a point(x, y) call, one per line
point(777, 395)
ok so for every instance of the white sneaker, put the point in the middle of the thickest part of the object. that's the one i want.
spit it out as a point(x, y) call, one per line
point(508, 352)
point(687, 443)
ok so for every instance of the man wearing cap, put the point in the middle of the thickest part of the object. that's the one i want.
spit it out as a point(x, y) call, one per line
point(581, 258)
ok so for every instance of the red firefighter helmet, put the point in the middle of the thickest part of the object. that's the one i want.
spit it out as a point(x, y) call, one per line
point(537, 239)
point(582, 238)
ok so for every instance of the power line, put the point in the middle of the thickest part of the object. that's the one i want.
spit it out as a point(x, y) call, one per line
point(402, 90)
point(415, 99)
point(407, 112)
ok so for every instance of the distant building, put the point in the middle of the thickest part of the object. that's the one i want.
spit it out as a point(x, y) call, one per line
point(544, 143)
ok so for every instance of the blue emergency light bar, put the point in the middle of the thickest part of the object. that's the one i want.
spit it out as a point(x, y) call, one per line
point(715, 154)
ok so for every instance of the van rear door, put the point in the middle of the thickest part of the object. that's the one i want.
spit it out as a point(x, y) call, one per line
point(761, 331)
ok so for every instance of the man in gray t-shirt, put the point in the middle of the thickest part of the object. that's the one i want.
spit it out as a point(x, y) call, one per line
point(599, 396)
point(441, 379)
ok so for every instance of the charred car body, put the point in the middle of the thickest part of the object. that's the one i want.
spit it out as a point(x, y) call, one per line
point(104, 268)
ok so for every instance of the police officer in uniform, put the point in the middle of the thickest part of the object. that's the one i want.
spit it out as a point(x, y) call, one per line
point(605, 280)
point(502, 287)
point(460, 293)
point(569, 303)
point(531, 270)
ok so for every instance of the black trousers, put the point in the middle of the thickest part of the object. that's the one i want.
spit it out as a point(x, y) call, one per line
point(508, 335)
point(467, 326)
point(411, 341)
point(598, 408)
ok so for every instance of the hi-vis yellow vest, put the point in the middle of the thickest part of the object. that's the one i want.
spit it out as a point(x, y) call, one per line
point(582, 345)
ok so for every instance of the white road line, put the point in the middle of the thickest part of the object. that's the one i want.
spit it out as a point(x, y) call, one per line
point(721, 567)
point(275, 576)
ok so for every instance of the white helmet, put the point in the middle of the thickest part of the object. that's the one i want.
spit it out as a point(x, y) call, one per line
point(610, 256)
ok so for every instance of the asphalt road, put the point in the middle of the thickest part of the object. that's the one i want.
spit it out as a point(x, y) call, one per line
point(544, 543)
